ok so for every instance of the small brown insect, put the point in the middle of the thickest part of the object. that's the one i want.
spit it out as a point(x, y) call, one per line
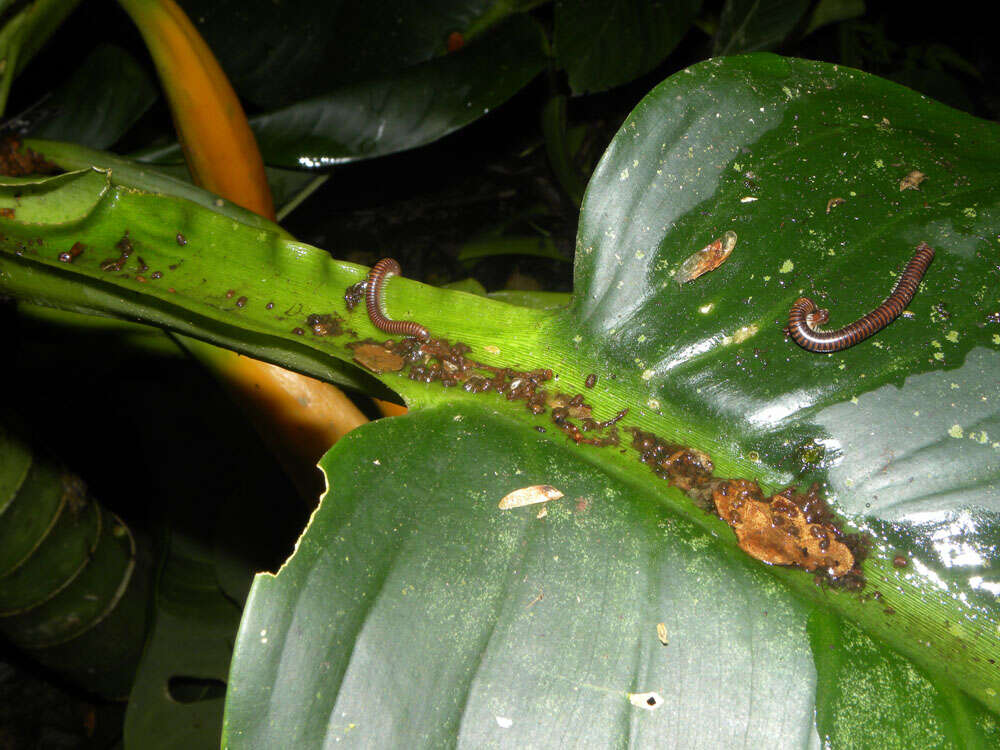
point(804, 335)
point(181, 239)
point(591, 380)
point(707, 259)
point(373, 300)
point(900, 561)
point(70, 255)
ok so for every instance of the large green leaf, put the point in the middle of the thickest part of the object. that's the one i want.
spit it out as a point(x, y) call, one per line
point(757, 145)
point(25, 29)
point(71, 593)
point(605, 43)
point(279, 54)
point(749, 25)
point(99, 102)
point(401, 110)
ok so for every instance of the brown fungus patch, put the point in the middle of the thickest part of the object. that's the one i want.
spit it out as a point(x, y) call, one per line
point(790, 528)
point(17, 160)
point(685, 468)
point(439, 361)
point(325, 325)
point(376, 358)
point(776, 530)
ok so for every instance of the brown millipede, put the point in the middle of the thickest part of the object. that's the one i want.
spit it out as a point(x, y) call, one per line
point(801, 331)
point(373, 300)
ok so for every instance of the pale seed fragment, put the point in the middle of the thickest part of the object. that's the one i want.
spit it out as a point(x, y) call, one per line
point(537, 493)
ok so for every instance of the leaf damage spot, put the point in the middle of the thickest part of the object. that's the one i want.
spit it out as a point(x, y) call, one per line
point(537, 493)
point(376, 358)
point(779, 531)
point(649, 701)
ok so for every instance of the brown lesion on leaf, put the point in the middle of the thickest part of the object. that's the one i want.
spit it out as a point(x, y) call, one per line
point(376, 358)
point(687, 469)
point(788, 528)
point(327, 324)
point(784, 529)
point(439, 361)
point(17, 160)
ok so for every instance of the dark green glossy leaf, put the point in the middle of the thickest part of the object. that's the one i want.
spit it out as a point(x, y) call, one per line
point(71, 596)
point(858, 677)
point(416, 613)
point(400, 111)
point(750, 25)
point(832, 11)
point(279, 54)
point(758, 145)
point(605, 43)
point(99, 102)
point(25, 28)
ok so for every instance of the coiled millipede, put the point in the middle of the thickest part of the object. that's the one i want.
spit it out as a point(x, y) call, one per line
point(801, 330)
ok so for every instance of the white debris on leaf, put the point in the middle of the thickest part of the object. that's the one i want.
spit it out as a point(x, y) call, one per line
point(649, 701)
point(538, 493)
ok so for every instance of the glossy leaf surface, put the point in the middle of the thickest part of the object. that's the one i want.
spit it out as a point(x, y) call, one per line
point(326, 45)
point(401, 110)
point(99, 101)
point(704, 364)
point(750, 25)
point(606, 43)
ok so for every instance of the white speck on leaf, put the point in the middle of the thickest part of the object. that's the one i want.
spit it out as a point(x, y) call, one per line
point(649, 701)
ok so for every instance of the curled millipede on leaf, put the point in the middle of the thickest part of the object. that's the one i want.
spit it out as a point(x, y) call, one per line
point(373, 300)
point(804, 313)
